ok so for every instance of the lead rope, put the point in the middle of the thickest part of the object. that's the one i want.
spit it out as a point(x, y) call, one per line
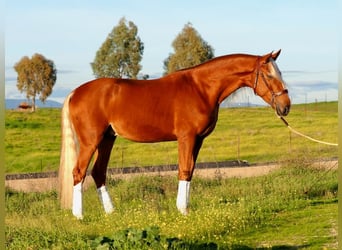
point(319, 177)
point(305, 136)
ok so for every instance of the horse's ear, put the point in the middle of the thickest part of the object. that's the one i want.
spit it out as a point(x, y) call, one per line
point(275, 55)
point(266, 58)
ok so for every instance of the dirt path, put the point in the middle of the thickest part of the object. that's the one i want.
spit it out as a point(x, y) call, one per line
point(49, 184)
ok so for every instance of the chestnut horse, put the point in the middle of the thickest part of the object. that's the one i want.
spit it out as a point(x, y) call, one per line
point(181, 106)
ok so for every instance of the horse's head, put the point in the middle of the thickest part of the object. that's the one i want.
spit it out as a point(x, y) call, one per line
point(269, 84)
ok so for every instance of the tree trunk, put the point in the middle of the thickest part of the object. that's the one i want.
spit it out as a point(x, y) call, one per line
point(33, 104)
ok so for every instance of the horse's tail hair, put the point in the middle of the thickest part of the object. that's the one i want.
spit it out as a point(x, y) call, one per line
point(69, 148)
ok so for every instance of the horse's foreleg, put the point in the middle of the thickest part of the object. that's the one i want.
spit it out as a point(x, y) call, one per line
point(183, 196)
point(100, 169)
point(188, 149)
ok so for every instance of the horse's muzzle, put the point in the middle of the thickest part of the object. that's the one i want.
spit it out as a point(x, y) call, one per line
point(282, 111)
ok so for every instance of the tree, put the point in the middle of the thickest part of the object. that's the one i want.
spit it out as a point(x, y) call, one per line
point(36, 76)
point(190, 50)
point(120, 54)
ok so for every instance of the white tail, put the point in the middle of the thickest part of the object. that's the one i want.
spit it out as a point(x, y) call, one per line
point(69, 152)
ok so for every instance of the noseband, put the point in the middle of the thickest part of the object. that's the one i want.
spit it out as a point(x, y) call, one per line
point(259, 72)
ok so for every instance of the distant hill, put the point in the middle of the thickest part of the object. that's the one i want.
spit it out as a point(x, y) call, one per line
point(14, 103)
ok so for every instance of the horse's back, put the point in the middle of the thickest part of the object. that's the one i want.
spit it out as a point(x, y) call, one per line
point(143, 110)
point(137, 110)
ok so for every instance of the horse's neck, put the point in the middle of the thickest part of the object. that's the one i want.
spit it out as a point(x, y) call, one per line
point(223, 77)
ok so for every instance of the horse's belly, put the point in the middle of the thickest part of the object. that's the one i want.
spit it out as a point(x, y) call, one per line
point(144, 133)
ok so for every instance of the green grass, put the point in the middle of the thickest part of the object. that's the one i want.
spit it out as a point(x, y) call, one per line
point(294, 207)
point(32, 140)
point(291, 208)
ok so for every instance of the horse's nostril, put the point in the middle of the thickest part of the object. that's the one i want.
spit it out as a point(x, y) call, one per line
point(286, 110)
point(282, 111)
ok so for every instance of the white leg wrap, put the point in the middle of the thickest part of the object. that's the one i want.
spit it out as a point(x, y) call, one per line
point(105, 199)
point(183, 196)
point(77, 209)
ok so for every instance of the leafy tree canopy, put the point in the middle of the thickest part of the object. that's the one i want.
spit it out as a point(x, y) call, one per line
point(36, 76)
point(120, 54)
point(190, 50)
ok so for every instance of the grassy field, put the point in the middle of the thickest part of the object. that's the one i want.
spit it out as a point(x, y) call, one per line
point(32, 140)
point(292, 208)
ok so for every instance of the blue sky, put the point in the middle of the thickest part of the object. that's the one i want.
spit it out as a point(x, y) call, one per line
point(70, 32)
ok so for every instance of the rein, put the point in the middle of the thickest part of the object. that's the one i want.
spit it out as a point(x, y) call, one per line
point(305, 136)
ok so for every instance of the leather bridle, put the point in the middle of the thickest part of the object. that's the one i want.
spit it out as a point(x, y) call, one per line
point(259, 72)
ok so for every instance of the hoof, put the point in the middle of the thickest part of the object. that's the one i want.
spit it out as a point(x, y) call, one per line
point(78, 216)
point(109, 210)
point(183, 211)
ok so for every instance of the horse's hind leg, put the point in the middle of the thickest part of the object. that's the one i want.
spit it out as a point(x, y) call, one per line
point(79, 173)
point(100, 169)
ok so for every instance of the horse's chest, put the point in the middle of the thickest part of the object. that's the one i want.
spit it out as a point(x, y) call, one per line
point(209, 128)
point(209, 125)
